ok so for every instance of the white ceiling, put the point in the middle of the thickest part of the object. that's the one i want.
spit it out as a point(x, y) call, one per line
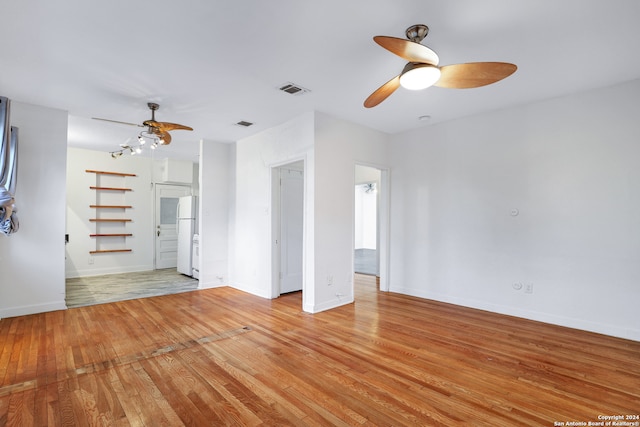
point(212, 63)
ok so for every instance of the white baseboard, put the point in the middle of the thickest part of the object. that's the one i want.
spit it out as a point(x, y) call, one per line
point(32, 309)
point(327, 305)
point(210, 284)
point(251, 290)
point(554, 319)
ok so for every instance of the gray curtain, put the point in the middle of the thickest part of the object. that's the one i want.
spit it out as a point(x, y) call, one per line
point(8, 171)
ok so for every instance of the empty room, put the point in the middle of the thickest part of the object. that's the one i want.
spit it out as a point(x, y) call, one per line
point(284, 213)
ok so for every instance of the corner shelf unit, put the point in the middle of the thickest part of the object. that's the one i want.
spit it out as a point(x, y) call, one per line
point(100, 207)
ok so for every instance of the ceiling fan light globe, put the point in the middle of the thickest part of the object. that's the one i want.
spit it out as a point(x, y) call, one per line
point(419, 76)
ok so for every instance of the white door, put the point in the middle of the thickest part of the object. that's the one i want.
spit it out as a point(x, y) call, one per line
point(167, 198)
point(291, 227)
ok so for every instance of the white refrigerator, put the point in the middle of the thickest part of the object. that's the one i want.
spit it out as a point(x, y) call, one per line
point(186, 227)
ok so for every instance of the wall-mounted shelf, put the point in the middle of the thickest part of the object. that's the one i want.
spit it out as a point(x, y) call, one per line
point(104, 251)
point(111, 188)
point(106, 198)
point(110, 207)
point(109, 173)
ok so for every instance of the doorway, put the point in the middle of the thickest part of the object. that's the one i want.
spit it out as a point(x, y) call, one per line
point(163, 280)
point(366, 241)
point(366, 228)
point(288, 226)
point(166, 235)
point(371, 230)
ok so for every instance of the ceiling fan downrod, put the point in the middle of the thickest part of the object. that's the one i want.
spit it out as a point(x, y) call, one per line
point(153, 107)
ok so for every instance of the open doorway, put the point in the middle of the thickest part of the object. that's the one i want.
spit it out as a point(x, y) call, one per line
point(166, 277)
point(371, 212)
point(129, 197)
point(288, 227)
point(366, 242)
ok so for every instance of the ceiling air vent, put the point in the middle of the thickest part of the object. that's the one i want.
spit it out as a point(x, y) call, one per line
point(244, 123)
point(293, 89)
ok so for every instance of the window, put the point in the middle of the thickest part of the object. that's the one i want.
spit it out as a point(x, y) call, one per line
point(8, 170)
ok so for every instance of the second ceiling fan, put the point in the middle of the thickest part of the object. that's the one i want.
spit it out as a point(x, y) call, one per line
point(423, 71)
point(155, 129)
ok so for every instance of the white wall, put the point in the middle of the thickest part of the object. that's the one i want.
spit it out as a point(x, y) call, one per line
point(251, 230)
point(216, 171)
point(339, 146)
point(570, 168)
point(330, 148)
point(79, 196)
point(32, 260)
point(366, 175)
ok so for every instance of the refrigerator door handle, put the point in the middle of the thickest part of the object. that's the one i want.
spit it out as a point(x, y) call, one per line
point(178, 217)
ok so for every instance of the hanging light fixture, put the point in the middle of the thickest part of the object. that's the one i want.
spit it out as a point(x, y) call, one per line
point(417, 76)
point(142, 138)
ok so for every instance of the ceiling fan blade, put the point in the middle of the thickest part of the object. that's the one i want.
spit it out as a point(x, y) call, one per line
point(411, 51)
point(165, 137)
point(166, 126)
point(474, 74)
point(382, 92)
point(117, 121)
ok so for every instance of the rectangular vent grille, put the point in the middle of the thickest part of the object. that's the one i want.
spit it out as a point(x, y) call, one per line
point(243, 123)
point(293, 89)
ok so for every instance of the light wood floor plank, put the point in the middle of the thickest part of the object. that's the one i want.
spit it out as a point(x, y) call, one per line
point(223, 357)
point(84, 291)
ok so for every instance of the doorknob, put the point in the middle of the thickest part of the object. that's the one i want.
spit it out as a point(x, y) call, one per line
point(158, 233)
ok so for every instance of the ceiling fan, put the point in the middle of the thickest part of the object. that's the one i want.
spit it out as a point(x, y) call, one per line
point(423, 71)
point(155, 130)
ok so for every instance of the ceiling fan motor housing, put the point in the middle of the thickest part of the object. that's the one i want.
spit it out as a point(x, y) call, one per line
point(417, 33)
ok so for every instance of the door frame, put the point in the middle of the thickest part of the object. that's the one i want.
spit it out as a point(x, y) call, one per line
point(276, 229)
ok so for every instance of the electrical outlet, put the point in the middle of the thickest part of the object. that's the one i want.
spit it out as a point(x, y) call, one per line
point(91, 259)
point(528, 288)
point(329, 280)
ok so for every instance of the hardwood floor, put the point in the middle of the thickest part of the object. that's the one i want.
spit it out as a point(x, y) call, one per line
point(222, 357)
